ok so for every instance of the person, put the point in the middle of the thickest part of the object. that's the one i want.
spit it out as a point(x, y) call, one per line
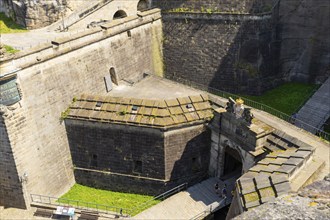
point(293, 118)
point(224, 191)
point(216, 188)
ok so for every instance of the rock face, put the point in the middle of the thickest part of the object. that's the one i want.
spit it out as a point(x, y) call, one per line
point(312, 202)
point(43, 13)
point(305, 38)
point(36, 14)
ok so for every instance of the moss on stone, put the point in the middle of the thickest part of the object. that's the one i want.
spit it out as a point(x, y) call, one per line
point(250, 197)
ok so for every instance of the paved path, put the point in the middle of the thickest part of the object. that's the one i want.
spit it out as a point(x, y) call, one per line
point(26, 40)
point(316, 110)
point(190, 203)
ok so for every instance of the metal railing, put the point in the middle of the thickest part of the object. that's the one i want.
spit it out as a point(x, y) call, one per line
point(106, 209)
point(257, 105)
point(79, 205)
point(137, 209)
point(211, 209)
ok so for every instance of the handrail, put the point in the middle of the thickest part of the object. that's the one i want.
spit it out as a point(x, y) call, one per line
point(104, 208)
point(79, 204)
point(211, 209)
point(162, 196)
point(256, 105)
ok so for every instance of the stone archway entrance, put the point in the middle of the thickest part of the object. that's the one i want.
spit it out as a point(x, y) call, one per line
point(232, 162)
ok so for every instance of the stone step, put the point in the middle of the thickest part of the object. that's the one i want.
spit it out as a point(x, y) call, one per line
point(309, 170)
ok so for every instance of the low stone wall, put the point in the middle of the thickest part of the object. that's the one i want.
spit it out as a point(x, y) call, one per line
point(120, 183)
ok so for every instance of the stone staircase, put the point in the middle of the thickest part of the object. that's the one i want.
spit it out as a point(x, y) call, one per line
point(316, 110)
point(192, 202)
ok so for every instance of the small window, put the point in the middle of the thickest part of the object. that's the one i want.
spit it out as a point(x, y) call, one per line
point(137, 166)
point(129, 34)
point(98, 104)
point(94, 161)
point(195, 164)
point(119, 14)
point(134, 108)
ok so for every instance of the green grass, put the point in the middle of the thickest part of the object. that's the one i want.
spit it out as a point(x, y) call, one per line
point(7, 25)
point(286, 98)
point(105, 197)
point(10, 49)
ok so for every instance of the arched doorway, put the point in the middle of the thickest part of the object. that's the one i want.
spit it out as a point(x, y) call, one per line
point(113, 76)
point(232, 162)
point(142, 5)
point(119, 14)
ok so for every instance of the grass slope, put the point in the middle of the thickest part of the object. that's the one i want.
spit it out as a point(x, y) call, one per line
point(7, 25)
point(286, 98)
point(105, 197)
point(10, 49)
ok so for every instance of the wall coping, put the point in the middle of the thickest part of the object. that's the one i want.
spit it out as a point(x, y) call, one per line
point(64, 45)
point(215, 16)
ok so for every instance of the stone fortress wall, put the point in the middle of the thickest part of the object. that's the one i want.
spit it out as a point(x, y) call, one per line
point(246, 46)
point(228, 45)
point(34, 138)
point(227, 6)
point(234, 53)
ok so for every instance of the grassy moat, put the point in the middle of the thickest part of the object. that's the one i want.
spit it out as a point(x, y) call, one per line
point(104, 197)
point(287, 98)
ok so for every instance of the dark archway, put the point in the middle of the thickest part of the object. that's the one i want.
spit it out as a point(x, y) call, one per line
point(119, 14)
point(113, 76)
point(233, 162)
point(142, 5)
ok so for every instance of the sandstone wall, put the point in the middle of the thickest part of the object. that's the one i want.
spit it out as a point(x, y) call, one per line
point(116, 148)
point(108, 154)
point(235, 6)
point(187, 153)
point(236, 53)
point(305, 38)
point(49, 77)
point(11, 188)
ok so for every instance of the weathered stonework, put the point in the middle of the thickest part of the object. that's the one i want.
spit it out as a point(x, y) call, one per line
point(235, 135)
point(49, 78)
point(137, 159)
point(233, 6)
point(234, 53)
point(11, 187)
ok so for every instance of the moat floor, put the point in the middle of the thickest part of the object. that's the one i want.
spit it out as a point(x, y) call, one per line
point(190, 203)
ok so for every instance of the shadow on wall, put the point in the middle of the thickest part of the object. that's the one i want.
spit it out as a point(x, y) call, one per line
point(233, 52)
point(192, 165)
point(250, 63)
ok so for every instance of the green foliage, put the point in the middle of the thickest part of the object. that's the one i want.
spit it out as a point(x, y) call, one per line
point(286, 98)
point(64, 114)
point(105, 197)
point(267, 8)
point(124, 112)
point(10, 49)
point(7, 25)
point(248, 67)
point(182, 9)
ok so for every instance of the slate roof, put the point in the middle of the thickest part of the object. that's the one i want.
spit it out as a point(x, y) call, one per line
point(142, 112)
point(269, 178)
